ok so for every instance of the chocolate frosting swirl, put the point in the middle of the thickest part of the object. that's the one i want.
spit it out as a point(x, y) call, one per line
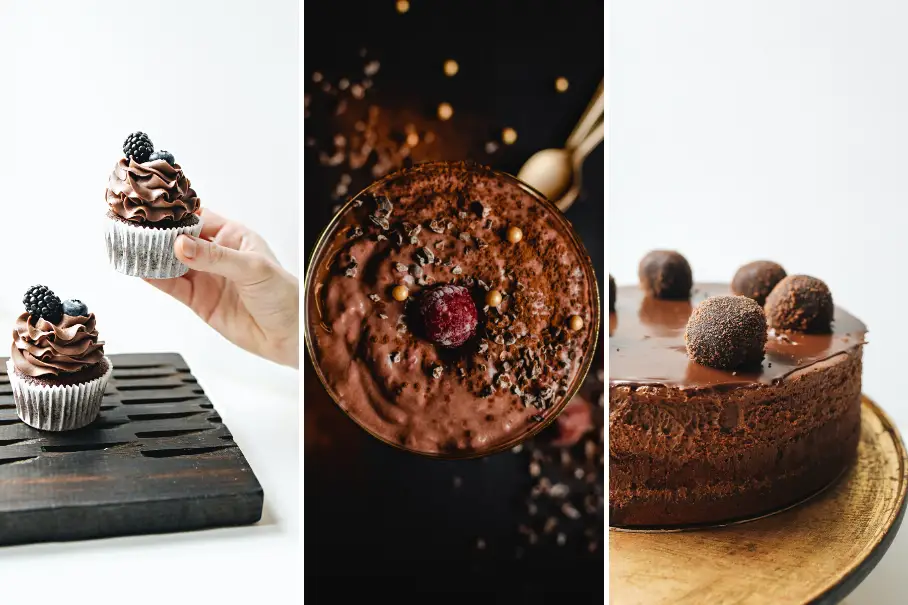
point(41, 348)
point(150, 192)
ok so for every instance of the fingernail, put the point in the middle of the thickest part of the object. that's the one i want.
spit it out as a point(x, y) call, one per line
point(189, 247)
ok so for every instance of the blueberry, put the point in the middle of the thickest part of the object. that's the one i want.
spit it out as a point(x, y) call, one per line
point(162, 155)
point(74, 308)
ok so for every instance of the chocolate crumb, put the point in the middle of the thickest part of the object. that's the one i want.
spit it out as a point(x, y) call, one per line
point(380, 221)
point(425, 256)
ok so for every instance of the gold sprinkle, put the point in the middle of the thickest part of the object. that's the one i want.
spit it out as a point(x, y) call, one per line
point(493, 298)
point(402, 6)
point(445, 111)
point(509, 136)
point(561, 84)
point(451, 67)
point(576, 322)
point(400, 293)
point(514, 234)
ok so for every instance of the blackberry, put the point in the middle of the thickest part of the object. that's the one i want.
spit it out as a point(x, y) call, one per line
point(41, 302)
point(138, 147)
point(162, 155)
point(75, 308)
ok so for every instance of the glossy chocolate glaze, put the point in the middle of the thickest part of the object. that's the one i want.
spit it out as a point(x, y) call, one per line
point(646, 344)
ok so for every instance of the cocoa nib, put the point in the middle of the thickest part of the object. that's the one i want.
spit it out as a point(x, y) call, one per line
point(425, 256)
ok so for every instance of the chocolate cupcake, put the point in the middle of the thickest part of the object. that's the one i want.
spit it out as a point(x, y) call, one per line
point(151, 203)
point(57, 367)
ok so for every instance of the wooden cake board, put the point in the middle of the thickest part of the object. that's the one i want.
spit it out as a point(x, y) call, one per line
point(157, 459)
point(816, 552)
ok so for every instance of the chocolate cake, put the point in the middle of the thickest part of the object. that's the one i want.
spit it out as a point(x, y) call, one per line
point(451, 310)
point(693, 444)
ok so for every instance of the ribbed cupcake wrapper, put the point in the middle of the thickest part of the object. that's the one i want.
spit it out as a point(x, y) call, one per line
point(58, 407)
point(146, 251)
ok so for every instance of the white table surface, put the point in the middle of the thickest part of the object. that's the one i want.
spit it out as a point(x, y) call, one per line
point(217, 84)
point(746, 130)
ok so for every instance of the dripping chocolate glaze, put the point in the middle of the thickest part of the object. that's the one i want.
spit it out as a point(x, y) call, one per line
point(646, 344)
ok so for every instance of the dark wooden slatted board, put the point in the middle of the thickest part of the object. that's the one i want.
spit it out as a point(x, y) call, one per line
point(158, 459)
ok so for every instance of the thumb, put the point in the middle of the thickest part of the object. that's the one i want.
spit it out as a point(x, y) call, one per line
point(244, 268)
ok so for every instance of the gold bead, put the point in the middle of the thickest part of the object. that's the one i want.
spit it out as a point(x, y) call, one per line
point(451, 68)
point(514, 234)
point(445, 111)
point(493, 298)
point(509, 136)
point(561, 84)
point(400, 293)
point(576, 322)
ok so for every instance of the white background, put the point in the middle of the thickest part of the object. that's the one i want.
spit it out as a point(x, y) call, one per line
point(775, 129)
point(215, 83)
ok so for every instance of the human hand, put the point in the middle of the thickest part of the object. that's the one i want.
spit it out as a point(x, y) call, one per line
point(236, 285)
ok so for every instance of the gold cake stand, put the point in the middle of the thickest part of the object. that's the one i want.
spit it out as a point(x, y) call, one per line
point(816, 552)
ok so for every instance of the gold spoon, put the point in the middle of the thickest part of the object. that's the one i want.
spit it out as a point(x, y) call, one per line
point(556, 172)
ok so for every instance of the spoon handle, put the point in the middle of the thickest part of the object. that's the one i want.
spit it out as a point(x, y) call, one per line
point(594, 112)
point(593, 138)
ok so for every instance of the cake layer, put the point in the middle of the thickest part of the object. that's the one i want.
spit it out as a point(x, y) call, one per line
point(690, 444)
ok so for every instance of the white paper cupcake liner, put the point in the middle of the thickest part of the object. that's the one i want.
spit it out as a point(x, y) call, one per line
point(145, 251)
point(58, 407)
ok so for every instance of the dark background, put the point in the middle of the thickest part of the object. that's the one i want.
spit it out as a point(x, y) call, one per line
point(380, 522)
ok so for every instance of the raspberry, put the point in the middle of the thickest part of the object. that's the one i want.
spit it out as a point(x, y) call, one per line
point(449, 314)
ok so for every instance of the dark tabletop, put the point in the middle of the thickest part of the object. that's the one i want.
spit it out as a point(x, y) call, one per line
point(377, 518)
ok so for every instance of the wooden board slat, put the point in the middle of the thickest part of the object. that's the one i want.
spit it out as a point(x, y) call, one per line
point(158, 459)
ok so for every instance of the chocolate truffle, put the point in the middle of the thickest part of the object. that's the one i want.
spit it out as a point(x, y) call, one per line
point(726, 332)
point(612, 293)
point(800, 303)
point(757, 279)
point(666, 274)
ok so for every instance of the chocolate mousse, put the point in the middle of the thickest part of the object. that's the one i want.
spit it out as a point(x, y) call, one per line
point(451, 311)
point(692, 444)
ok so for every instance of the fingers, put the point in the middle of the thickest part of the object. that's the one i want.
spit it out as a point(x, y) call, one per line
point(244, 268)
point(212, 223)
